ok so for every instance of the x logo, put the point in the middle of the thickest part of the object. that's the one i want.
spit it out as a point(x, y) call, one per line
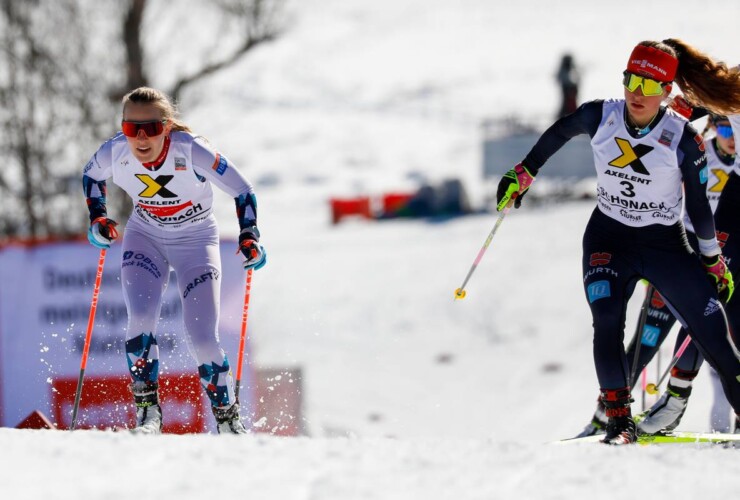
point(722, 178)
point(630, 156)
point(156, 186)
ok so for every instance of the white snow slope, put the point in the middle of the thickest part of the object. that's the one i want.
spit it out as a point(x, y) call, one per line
point(408, 394)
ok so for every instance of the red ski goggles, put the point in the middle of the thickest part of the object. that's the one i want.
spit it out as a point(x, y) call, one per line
point(150, 128)
point(649, 86)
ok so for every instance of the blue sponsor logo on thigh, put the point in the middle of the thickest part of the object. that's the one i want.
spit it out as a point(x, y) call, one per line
point(650, 335)
point(598, 290)
point(138, 259)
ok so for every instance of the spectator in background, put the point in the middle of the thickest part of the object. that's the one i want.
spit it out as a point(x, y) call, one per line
point(568, 78)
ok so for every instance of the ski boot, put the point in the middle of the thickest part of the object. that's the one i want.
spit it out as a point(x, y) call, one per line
point(666, 413)
point(227, 419)
point(597, 424)
point(620, 428)
point(148, 411)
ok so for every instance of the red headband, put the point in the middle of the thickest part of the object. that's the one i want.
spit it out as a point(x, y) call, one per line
point(652, 63)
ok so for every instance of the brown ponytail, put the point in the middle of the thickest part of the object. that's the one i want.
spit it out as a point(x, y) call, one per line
point(704, 81)
point(160, 100)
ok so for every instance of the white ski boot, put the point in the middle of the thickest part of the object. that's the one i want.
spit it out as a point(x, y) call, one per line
point(666, 413)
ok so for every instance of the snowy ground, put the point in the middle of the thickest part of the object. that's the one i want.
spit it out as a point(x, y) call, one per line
point(408, 394)
point(116, 467)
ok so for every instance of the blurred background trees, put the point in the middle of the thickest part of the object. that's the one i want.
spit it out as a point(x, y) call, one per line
point(64, 66)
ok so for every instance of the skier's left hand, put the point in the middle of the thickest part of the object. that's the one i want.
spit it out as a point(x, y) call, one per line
point(720, 275)
point(254, 253)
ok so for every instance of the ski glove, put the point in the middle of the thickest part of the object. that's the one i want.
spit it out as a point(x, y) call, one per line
point(680, 105)
point(720, 275)
point(102, 232)
point(255, 255)
point(513, 186)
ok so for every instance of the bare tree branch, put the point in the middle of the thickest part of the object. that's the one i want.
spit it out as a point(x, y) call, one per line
point(261, 23)
point(55, 94)
point(38, 92)
point(214, 67)
point(131, 36)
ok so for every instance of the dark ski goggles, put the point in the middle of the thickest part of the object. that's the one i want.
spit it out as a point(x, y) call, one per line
point(724, 131)
point(150, 128)
point(649, 86)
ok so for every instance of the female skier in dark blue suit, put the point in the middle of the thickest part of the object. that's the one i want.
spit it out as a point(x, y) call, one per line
point(649, 160)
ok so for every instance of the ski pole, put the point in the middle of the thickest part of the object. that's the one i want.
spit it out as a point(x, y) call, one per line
point(639, 333)
point(460, 292)
point(643, 378)
point(657, 363)
point(88, 336)
point(243, 337)
point(653, 388)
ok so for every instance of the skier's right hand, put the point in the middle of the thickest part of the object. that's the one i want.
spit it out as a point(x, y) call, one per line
point(720, 275)
point(680, 105)
point(513, 186)
point(102, 232)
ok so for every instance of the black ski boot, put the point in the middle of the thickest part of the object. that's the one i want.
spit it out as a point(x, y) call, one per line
point(148, 411)
point(227, 419)
point(620, 428)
